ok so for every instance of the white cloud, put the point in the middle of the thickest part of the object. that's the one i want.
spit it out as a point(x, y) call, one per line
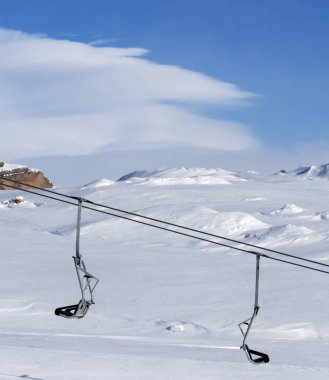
point(62, 97)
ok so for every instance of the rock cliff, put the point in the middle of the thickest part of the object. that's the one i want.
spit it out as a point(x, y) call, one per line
point(24, 174)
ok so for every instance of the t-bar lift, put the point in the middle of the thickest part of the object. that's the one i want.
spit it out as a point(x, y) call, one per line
point(87, 281)
point(255, 357)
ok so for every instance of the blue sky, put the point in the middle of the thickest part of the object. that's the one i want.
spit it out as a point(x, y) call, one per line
point(274, 49)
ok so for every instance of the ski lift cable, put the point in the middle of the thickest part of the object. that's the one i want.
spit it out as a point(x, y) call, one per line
point(210, 234)
point(239, 249)
point(164, 222)
point(80, 309)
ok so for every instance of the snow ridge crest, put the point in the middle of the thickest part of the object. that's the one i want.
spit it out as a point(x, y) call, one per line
point(309, 172)
point(182, 176)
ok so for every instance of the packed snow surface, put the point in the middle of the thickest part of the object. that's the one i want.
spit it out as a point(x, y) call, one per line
point(167, 306)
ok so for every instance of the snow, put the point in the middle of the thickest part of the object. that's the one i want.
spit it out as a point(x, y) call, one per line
point(287, 210)
point(100, 183)
point(167, 306)
point(182, 176)
point(308, 172)
point(8, 167)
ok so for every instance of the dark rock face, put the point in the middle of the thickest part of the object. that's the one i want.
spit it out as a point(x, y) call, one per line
point(26, 175)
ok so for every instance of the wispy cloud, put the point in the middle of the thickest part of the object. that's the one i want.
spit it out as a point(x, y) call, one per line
point(103, 41)
point(64, 97)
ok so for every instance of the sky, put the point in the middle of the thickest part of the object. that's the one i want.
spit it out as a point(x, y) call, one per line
point(100, 88)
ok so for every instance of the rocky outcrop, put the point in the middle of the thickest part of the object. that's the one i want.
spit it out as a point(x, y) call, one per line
point(22, 174)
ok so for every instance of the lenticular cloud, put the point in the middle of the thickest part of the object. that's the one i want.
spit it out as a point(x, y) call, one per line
point(60, 97)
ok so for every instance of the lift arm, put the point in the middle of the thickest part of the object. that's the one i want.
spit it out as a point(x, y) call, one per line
point(255, 357)
point(87, 281)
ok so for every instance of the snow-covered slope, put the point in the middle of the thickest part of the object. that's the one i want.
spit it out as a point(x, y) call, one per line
point(5, 167)
point(182, 176)
point(100, 183)
point(309, 172)
point(8, 167)
point(167, 306)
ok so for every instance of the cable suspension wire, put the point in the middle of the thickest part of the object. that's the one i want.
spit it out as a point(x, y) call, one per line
point(169, 223)
point(165, 222)
point(170, 230)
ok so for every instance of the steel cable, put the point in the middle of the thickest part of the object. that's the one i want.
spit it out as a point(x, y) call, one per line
point(167, 229)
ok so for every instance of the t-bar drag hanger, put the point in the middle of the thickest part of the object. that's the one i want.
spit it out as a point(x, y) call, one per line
point(87, 281)
point(253, 356)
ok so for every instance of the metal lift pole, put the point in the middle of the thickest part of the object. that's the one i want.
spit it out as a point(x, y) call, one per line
point(255, 357)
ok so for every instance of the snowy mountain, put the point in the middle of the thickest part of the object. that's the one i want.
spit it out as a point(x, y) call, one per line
point(309, 172)
point(167, 306)
point(100, 183)
point(182, 176)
